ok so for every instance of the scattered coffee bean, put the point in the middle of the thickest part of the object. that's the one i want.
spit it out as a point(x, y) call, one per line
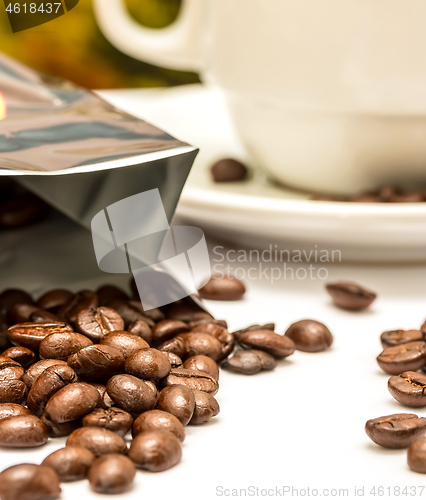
point(85, 299)
point(416, 456)
point(70, 463)
point(20, 313)
point(199, 343)
point(62, 345)
point(206, 407)
point(10, 369)
point(12, 410)
point(141, 329)
point(158, 420)
point(29, 482)
point(309, 335)
point(220, 322)
point(130, 313)
point(350, 296)
point(279, 346)
point(223, 289)
point(22, 355)
point(401, 358)
point(397, 337)
point(113, 419)
point(30, 335)
point(148, 364)
point(97, 363)
point(125, 342)
point(155, 451)
point(177, 400)
point(99, 441)
point(131, 394)
point(53, 300)
point(228, 170)
point(24, 431)
point(174, 359)
point(60, 430)
point(396, 431)
point(176, 346)
point(250, 362)
point(253, 328)
point(409, 388)
point(226, 338)
point(35, 370)
point(112, 474)
point(12, 391)
point(96, 323)
point(203, 364)
point(167, 329)
point(192, 379)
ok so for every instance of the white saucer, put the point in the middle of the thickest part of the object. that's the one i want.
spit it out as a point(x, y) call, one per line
point(258, 214)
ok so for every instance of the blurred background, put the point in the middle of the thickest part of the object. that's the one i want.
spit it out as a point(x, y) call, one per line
point(73, 47)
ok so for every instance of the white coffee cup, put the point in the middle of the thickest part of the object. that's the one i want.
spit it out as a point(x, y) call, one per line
point(327, 95)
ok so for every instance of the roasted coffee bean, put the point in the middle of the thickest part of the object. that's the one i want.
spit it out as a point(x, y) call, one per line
point(199, 343)
point(177, 400)
point(226, 338)
point(228, 170)
point(47, 384)
point(130, 312)
point(148, 364)
point(4, 339)
point(62, 345)
point(192, 379)
point(167, 329)
point(186, 312)
point(131, 394)
point(20, 313)
point(405, 357)
point(54, 299)
point(416, 456)
point(409, 388)
point(99, 387)
point(253, 328)
point(13, 296)
point(202, 364)
point(309, 335)
point(70, 463)
point(223, 289)
point(12, 410)
point(84, 299)
point(153, 387)
point(72, 402)
point(206, 407)
point(24, 431)
point(35, 370)
point(279, 346)
point(107, 401)
point(29, 482)
point(141, 329)
point(22, 355)
point(156, 314)
point(99, 441)
point(158, 420)
point(350, 296)
point(96, 323)
point(155, 451)
point(125, 342)
point(21, 210)
point(397, 337)
point(250, 362)
point(41, 316)
point(220, 322)
point(174, 359)
point(10, 369)
point(396, 431)
point(112, 474)
point(113, 419)
point(176, 346)
point(97, 363)
point(30, 335)
point(12, 391)
point(60, 430)
point(108, 293)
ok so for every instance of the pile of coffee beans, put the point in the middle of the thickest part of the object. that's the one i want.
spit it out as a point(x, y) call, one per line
point(386, 194)
point(93, 365)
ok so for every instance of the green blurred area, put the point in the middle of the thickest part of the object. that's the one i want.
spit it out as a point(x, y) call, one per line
point(74, 48)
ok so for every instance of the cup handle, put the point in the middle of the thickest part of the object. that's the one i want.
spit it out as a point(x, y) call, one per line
point(178, 46)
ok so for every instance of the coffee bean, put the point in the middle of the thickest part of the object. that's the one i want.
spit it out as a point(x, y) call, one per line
point(84, 299)
point(99, 441)
point(408, 388)
point(396, 431)
point(141, 329)
point(158, 420)
point(405, 357)
point(24, 431)
point(176, 346)
point(112, 474)
point(350, 296)
point(309, 335)
point(96, 323)
point(72, 402)
point(125, 342)
point(206, 407)
point(131, 394)
point(226, 338)
point(148, 364)
point(250, 362)
point(130, 312)
point(60, 430)
point(223, 289)
point(21, 210)
point(192, 379)
point(228, 170)
point(397, 337)
point(12, 410)
point(12, 391)
point(70, 463)
point(174, 359)
point(279, 346)
point(113, 419)
point(22, 355)
point(220, 322)
point(156, 314)
point(199, 343)
point(35, 370)
point(47, 384)
point(155, 451)
point(186, 312)
point(416, 456)
point(62, 345)
point(41, 316)
point(177, 400)
point(10, 369)
point(54, 299)
point(107, 401)
point(29, 482)
point(20, 313)
point(108, 293)
point(13, 296)
point(167, 329)
point(30, 335)
point(253, 328)
point(202, 364)
point(4, 340)
point(97, 363)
